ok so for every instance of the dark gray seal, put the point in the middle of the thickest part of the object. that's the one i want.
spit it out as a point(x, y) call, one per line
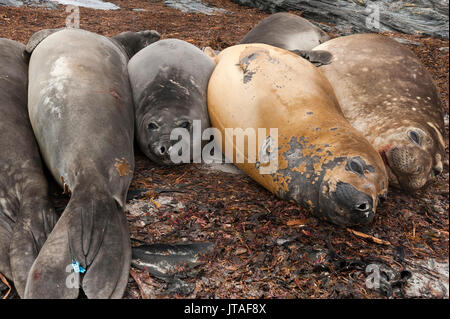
point(169, 80)
point(287, 31)
point(81, 110)
point(26, 215)
point(290, 32)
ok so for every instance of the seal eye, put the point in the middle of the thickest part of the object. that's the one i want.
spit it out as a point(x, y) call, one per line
point(355, 166)
point(414, 136)
point(152, 126)
point(185, 125)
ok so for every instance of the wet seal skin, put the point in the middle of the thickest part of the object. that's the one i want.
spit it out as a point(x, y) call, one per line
point(287, 31)
point(323, 162)
point(388, 95)
point(169, 80)
point(26, 214)
point(81, 109)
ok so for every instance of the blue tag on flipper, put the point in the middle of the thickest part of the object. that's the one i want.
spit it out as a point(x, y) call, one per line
point(77, 268)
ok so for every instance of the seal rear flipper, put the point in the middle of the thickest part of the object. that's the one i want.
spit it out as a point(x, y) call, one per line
point(107, 276)
point(34, 225)
point(37, 38)
point(89, 238)
point(5, 239)
point(7, 223)
point(316, 57)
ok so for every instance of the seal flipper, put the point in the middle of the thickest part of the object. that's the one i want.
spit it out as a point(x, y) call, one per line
point(112, 261)
point(133, 42)
point(5, 239)
point(316, 57)
point(34, 225)
point(97, 239)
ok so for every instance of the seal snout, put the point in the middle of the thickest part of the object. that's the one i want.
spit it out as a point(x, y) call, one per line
point(357, 205)
point(162, 149)
point(363, 207)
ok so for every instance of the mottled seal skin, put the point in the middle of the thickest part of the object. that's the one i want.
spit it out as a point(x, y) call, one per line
point(26, 215)
point(388, 95)
point(323, 162)
point(81, 109)
point(169, 80)
point(287, 31)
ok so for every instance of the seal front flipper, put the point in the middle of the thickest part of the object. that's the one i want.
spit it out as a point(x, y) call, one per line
point(317, 57)
point(6, 227)
point(89, 248)
point(35, 223)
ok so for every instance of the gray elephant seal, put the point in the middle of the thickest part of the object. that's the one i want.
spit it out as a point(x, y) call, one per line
point(81, 110)
point(26, 215)
point(388, 95)
point(169, 80)
point(287, 31)
point(293, 33)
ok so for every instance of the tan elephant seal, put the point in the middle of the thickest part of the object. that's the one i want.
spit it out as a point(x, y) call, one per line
point(323, 162)
point(287, 31)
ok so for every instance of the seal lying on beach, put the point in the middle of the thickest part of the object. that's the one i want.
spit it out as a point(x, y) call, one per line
point(287, 31)
point(290, 32)
point(26, 215)
point(320, 160)
point(388, 95)
point(169, 80)
point(81, 110)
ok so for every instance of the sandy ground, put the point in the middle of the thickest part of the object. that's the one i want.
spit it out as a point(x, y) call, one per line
point(263, 247)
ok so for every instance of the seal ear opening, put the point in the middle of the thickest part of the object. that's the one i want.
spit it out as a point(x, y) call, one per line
point(37, 38)
point(316, 57)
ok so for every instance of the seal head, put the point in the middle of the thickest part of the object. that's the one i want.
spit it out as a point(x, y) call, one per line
point(169, 80)
point(413, 155)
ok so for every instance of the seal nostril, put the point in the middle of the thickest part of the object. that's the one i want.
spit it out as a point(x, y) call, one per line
point(363, 207)
point(162, 149)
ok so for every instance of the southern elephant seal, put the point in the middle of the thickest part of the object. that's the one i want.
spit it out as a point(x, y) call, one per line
point(26, 215)
point(81, 110)
point(169, 80)
point(323, 162)
point(290, 32)
point(388, 95)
